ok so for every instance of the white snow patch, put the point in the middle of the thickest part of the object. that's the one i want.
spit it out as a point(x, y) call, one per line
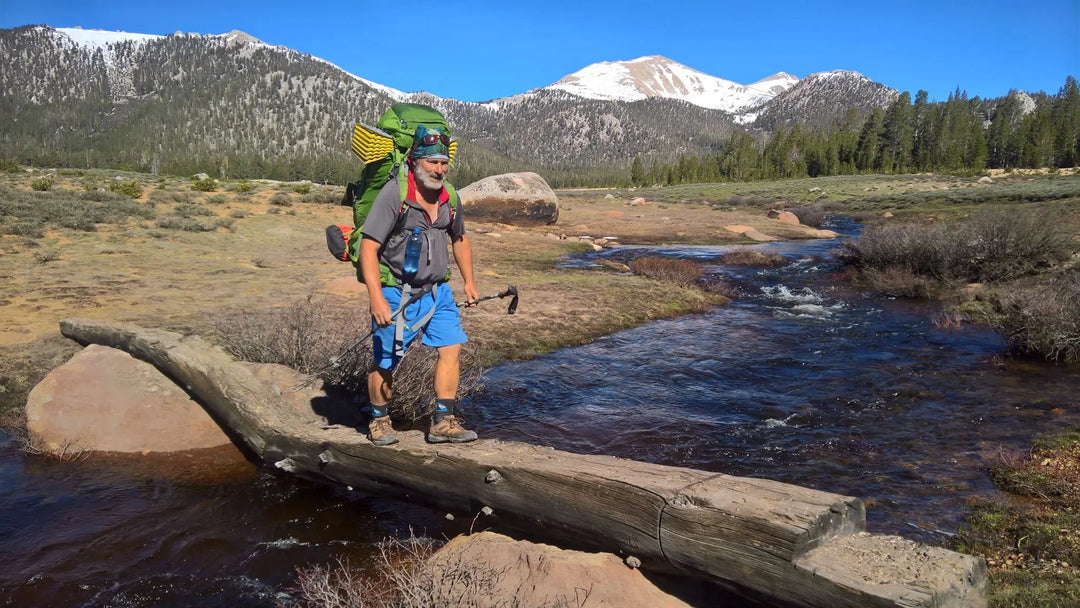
point(100, 39)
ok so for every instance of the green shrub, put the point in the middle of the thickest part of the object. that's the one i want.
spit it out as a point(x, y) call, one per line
point(43, 183)
point(669, 270)
point(302, 188)
point(217, 199)
point(242, 187)
point(10, 166)
point(281, 200)
point(159, 196)
point(130, 188)
point(27, 228)
point(187, 224)
point(191, 210)
point(31, 213)
point(204, 185)
point(99, 196)
point(324, 196)
point(44, 257)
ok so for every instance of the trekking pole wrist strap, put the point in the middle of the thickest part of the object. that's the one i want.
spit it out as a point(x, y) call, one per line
point(409, 294)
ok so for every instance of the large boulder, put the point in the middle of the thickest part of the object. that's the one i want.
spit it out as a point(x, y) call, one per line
point(104, 400)
point(518, 199)
point(521, 573)
point(785, 217)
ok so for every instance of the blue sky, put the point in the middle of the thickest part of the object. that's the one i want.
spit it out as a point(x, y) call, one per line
point(481, 50)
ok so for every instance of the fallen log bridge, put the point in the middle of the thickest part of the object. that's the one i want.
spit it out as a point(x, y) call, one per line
point(789, 544)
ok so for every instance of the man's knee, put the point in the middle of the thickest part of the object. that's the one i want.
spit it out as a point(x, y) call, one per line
point(449, 354)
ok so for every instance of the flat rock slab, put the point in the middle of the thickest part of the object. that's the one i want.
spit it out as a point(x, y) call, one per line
point(105, 400)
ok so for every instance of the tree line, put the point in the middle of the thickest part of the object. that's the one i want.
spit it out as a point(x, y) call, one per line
point(960, 135)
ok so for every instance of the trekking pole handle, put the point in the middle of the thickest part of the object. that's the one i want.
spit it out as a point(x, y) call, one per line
point(510, 291)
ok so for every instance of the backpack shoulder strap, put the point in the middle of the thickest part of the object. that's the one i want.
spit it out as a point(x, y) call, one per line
point(453, 201)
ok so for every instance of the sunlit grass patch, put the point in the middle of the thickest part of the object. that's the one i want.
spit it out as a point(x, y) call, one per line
point(1031, 540)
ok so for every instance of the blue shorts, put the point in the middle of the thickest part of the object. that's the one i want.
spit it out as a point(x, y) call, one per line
point(443, 329)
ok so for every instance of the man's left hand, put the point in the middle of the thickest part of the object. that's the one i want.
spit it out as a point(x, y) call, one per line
point(471, 295)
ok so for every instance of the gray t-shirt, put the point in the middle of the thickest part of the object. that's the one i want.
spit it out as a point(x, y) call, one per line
point(390, 226)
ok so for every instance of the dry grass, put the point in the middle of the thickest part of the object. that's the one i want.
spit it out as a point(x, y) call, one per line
point(744, 256)
point(991, 245)
point(325, 340)
point(685, 273)
point(1041, 320)
point(406, 577)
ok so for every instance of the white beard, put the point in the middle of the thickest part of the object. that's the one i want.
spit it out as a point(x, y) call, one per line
point(428, 179)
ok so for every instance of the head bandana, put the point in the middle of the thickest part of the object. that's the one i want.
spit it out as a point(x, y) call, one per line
point(436, 149)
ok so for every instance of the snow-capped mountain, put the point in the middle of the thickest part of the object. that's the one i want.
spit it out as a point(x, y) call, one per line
point(655, 76)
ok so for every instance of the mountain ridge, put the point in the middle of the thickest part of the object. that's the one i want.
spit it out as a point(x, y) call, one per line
point(86, 97)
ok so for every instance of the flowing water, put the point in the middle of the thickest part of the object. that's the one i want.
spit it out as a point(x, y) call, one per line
point(801, 379)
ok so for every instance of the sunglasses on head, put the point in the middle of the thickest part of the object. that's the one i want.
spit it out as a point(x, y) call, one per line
point(431, 138)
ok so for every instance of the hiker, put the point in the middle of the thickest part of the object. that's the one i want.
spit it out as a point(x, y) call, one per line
point(426, 217)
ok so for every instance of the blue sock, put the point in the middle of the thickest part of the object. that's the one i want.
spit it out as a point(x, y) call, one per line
point(443, 408)
point(378, 411)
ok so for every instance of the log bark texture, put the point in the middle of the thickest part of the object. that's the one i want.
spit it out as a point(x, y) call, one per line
point(766, 539)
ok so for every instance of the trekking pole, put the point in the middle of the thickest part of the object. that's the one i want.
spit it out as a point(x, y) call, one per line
point(510, 291)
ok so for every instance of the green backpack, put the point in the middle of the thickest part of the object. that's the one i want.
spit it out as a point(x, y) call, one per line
point(383, 150)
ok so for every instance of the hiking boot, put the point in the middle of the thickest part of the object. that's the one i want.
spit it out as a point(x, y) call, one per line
point(381, 432)
point(449, 430)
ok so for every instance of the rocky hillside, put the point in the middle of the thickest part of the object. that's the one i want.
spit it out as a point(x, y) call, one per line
point(822, 100)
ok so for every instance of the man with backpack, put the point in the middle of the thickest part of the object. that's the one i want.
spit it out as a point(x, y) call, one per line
point(404, 261)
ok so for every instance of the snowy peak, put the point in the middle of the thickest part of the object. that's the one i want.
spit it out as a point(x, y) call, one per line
point(657, 76)
point(775, 84)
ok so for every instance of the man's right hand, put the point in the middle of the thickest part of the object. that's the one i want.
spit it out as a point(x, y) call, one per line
point(380, 311)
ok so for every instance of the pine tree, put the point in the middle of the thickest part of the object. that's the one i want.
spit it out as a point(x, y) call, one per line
point(897, 138)
point(1067, 125)
point(867, 153)
point(637, 172)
